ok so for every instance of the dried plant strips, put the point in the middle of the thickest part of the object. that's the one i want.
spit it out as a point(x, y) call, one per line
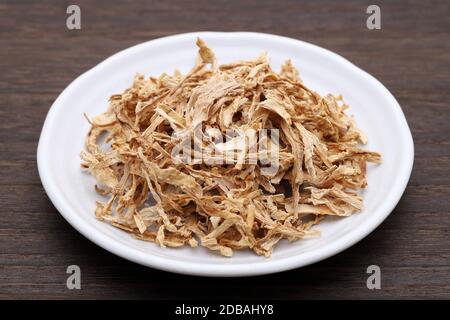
point(232, 205)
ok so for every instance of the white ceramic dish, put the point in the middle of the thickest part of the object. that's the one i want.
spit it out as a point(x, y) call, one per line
point(376, 111)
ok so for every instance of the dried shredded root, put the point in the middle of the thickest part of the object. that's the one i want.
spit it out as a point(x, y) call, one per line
point(233, 205)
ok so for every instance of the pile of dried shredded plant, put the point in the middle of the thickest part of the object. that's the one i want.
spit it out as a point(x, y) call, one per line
point(233, 205)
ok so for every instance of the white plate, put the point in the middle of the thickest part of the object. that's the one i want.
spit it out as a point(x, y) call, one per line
point(376, 111)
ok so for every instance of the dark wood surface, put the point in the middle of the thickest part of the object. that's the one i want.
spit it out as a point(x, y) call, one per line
point(39, 57)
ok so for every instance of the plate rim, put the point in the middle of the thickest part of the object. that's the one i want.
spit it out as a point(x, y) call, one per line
point(223, 270)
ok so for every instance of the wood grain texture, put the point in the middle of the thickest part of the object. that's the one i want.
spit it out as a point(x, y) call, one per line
point(39, 57)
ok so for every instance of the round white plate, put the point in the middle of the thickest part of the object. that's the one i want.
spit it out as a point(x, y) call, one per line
point(377, 113)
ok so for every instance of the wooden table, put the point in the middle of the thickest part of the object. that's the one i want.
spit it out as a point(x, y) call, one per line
point(39, 57)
